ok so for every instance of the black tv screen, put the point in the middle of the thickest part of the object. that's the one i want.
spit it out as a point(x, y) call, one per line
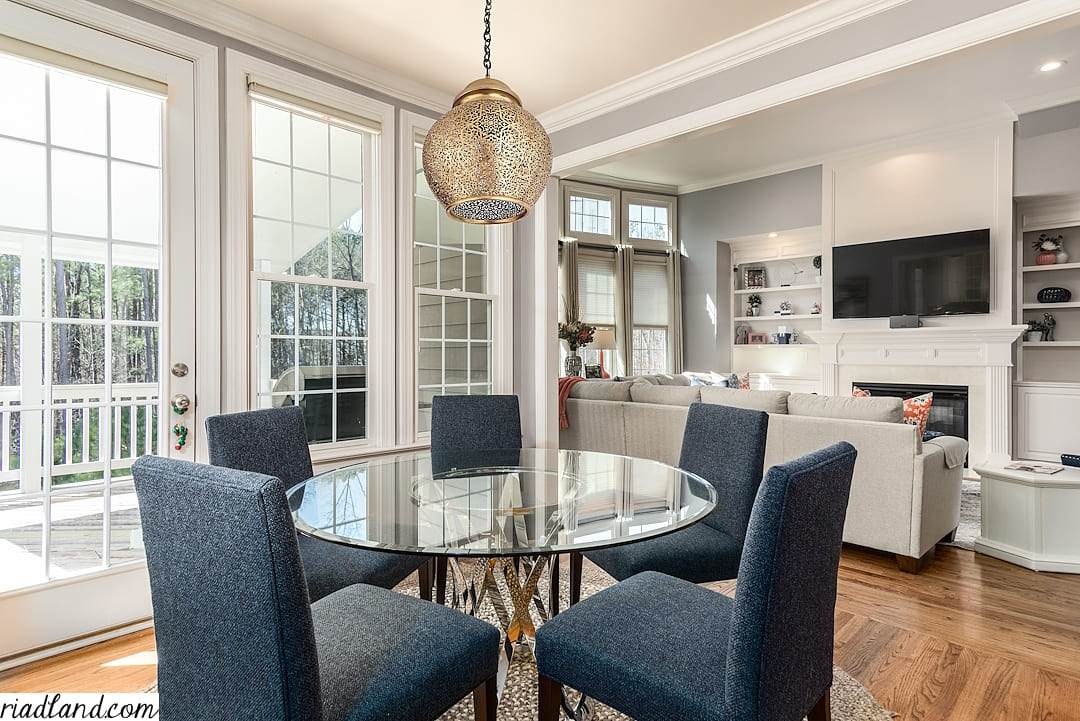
point(930, 275)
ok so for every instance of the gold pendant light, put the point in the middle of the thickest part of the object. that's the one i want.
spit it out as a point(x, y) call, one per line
point(488, 159)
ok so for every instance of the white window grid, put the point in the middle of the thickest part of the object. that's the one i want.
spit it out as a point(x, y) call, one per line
point(650, 349)
point(648, 222)
point(78, 482)
point(590, 215)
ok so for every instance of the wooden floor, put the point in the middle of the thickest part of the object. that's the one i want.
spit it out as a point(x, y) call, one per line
point(969, 639)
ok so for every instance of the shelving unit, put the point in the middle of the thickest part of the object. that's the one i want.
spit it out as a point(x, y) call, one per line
point(1047, 383)
point(787, 261)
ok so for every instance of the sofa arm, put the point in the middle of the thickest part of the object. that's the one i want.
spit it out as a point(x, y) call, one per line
point(935, 498)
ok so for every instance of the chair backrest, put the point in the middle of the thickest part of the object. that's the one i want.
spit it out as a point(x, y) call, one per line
point(780, 650)
point(726, 447)
point(269, 440)
point(232, 619)
point(463, 423)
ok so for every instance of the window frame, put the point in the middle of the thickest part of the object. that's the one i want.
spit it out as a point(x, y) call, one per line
point(661, 262)
point(595, 192)
point(413, 127)
point(240, 347)
point(634, 197)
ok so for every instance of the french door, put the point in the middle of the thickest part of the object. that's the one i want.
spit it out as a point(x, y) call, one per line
point(97, 288)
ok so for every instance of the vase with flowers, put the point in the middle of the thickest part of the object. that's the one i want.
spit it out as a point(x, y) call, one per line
point(576, 333)
point(1049, 250)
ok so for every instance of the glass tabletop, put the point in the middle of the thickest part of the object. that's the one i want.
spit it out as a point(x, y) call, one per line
point(499, 502)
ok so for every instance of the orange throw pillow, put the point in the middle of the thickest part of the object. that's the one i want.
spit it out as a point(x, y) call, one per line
point(744, 381)
point(917, 410)
point(857, 392)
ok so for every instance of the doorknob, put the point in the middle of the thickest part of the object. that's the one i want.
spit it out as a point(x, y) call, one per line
point(180, 404)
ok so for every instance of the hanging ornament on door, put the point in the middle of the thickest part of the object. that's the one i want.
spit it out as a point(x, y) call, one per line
point(180, 405)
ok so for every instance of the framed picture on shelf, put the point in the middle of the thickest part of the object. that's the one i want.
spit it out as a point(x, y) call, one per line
point(757, 339)
point(594, 371)
point(754, 278)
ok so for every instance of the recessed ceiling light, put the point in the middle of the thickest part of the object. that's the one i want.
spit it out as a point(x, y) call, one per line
point(772, 235)
point(1051, 66)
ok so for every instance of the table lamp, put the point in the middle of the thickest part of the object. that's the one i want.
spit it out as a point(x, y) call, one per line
point(603, 339)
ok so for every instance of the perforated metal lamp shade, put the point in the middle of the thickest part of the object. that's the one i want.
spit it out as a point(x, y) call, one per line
point(488, 159)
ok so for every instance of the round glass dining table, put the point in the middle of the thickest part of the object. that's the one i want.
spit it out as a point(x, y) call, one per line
point(511, 510)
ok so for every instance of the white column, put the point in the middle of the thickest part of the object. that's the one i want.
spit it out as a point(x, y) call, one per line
point(998, 412)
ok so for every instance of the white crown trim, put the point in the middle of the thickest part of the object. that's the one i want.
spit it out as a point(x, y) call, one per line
point(785, 31)
point(973, 32)
point(259, 33)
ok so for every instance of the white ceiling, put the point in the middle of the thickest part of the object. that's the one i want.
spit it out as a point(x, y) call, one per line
point(549, 52)
point(995, 79)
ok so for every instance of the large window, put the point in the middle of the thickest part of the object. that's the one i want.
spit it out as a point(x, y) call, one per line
point(649, 218)
point(649, 353)
point(590, 212)
point(596, 299)
point(310, 177)
point(453, 305)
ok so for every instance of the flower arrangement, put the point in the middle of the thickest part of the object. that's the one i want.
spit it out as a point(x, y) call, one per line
point(576, 333)
point(1047, 244)
point(817, 262)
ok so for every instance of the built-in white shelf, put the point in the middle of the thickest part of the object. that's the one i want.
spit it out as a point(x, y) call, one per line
point(1052, 344)
point(774, 318)
point(778, 258)
point(777, 289)
point(1049, 306)
point(1055, 266)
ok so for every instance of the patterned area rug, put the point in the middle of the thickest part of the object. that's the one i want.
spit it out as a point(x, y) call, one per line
point(850, 700)
point(970, 516)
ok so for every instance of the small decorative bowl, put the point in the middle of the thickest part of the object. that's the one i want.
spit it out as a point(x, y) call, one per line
point(1054, 295)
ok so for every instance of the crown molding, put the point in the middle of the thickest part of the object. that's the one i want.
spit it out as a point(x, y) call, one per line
point(967, 34)
point(624, 184)
point(1033, 103)
point(259, 33)
point(791, 29)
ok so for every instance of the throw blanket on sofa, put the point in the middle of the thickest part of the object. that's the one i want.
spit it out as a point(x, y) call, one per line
point(565, 384)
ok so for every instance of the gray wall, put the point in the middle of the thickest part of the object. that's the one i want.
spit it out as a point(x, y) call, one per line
point(1046, 152)
point(708, 217)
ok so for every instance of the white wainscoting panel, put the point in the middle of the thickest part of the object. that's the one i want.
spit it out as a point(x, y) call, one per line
point(1047, 416)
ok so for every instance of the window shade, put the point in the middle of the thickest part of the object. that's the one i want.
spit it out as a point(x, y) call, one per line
point(52, 58)
point(650, 294)
point(596, 288)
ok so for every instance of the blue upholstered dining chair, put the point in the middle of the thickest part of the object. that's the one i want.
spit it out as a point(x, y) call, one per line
point(726, 447)
point(461, 425)
point(274, 441)
point(657, 647)
point(238, 638)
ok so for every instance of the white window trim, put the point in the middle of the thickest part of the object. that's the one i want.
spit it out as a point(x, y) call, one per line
point(633, 197)
point(500, 286)
point(239, 347)
point(598, 192)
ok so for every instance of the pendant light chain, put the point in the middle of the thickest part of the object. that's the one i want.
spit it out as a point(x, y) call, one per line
point(487, 39)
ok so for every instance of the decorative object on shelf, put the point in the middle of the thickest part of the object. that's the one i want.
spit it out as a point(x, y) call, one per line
point(1049, 322)
point(817, 267)
point(815, 309)
point(793, 277)
point(1035, 332)
point(754, 278)
point(488, 159)
point(1049, 248)
point(757, 338)
point(742, 334)
point(1070, 459)
point(753, 303)
point(594, 371)
point(785, 308)
point(576, 333)
point(1054, 294)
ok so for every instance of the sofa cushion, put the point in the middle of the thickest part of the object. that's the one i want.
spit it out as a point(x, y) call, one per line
point(666, 395)
point(651, 380)
point(768, 401)
point(887, 410)
point(602, 390)
point(666, 379)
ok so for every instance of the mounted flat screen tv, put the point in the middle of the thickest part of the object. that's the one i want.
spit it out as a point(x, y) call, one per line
point(947, 274)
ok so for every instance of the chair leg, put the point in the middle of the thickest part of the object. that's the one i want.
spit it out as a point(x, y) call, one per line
point(424, 572)
point(549, 699)
point(553, 591)
point(575, 577)
point(822, 710)
point(440, 580)
point(486, 700)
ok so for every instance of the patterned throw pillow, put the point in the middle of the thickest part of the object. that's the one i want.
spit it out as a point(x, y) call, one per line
point(917, 410)
point(857, 392)
point(744, 381)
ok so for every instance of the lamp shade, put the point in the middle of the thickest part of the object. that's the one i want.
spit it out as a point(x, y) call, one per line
point(488, 159)
point(603, 339)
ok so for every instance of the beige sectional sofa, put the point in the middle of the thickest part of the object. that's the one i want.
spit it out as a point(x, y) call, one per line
point(905, 495)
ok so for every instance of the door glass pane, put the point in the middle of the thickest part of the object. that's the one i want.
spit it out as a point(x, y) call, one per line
point(22, 86)
point(79, 321)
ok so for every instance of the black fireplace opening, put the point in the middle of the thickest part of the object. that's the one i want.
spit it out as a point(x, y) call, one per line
point(948, 412)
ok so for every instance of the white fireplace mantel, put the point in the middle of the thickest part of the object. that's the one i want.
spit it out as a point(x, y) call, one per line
point(964, 348)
